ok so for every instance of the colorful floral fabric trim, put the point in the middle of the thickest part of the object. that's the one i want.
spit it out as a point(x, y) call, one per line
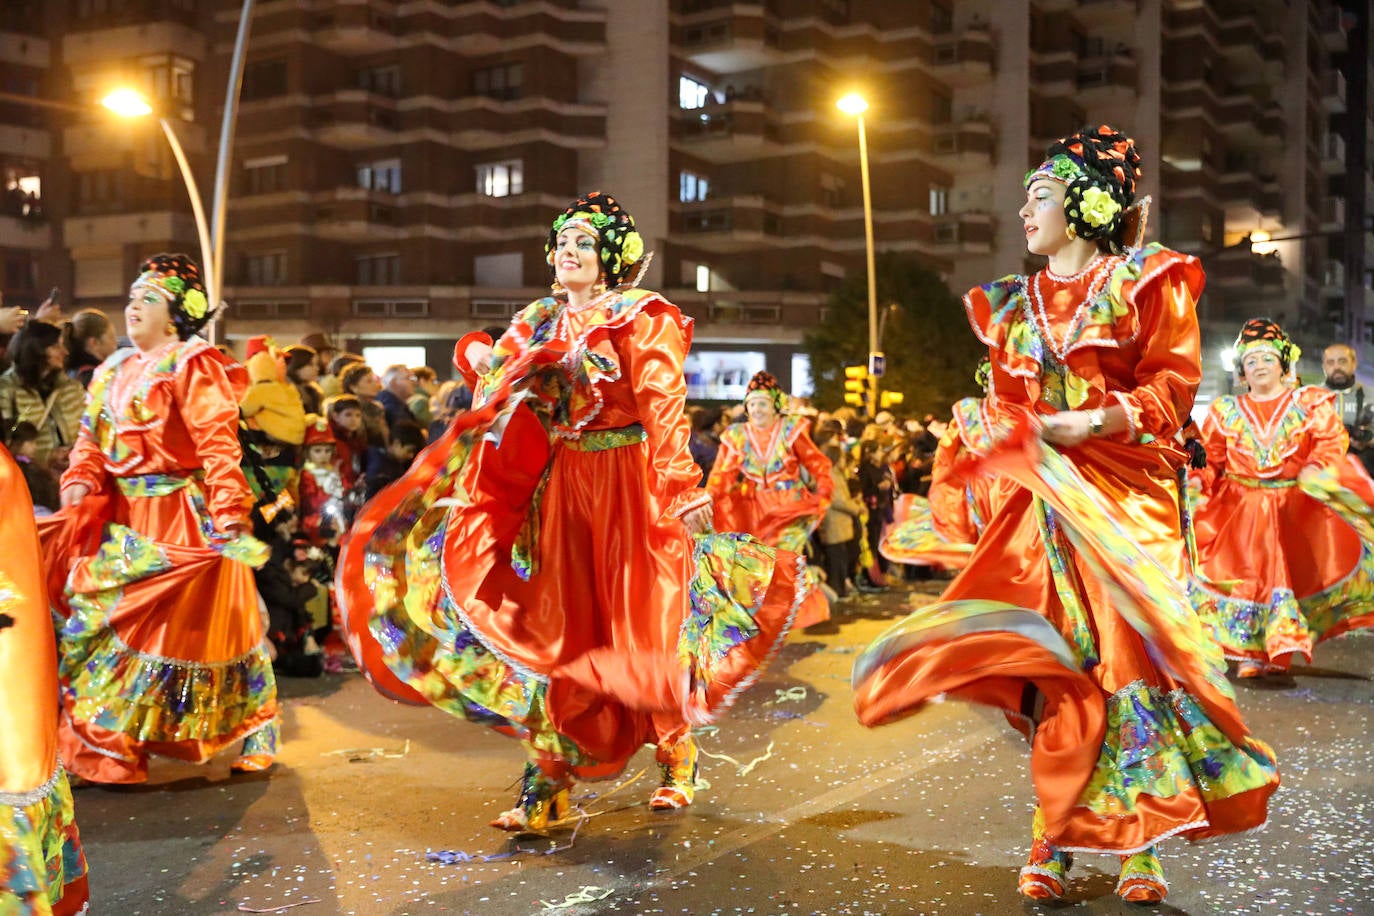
point(1161, 744)
point(1281, 439)
point(40, 848)
point(762, 470)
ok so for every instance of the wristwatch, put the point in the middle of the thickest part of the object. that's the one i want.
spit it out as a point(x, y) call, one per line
point(1097, 421)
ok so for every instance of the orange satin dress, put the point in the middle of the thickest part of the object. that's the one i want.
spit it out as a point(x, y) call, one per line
point(161, 650)
point(1110, 771)
point(757, 488)
point(1279, 571)
point(548, 597)
point(42, 867)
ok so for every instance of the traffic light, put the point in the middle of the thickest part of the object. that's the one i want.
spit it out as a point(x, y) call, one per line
point(856, 385)
point(891, 399)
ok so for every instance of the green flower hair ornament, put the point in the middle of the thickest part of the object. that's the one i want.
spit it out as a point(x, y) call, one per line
point(1098, 207)
point(175, 284)
point(194, 304)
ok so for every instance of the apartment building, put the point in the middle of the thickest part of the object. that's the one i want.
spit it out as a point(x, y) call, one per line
point(30, 262)
point(397, 161)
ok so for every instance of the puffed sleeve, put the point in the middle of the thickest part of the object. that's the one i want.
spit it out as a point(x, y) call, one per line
point(205, 397)
point(1327, 438)
point(1162, 287)
point(815, 463)
point(725, 469)
point(655, 350)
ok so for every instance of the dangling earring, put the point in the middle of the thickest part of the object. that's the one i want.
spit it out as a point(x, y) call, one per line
point(1071, 232)
point(599, 287)
point(171, 327)
point(557, 288)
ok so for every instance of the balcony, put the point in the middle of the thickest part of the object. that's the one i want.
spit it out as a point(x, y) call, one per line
point(1108, 79)
point(1333, 154)
point(353, 29)
point(1333, 275)
point(725, 132)
point(1096, 15)
point(967, 233)
point(1333, 214)
point(965, 61)
point(116, 43)
point(969, 144)
point(1329, 27)
point(24, 232)
point(1333, 91)
point(729, 40)
point(352, 119)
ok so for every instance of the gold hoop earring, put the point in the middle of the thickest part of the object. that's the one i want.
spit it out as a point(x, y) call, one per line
point(1071, 232)
point(171, 327)
point(600, 286)
point(557, 288)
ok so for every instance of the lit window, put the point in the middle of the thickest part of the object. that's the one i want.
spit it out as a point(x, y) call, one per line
point(691, 94)
point(382, 175)
point(703, 278)
point(691, 187)
point(501, 179)
point(939, 200)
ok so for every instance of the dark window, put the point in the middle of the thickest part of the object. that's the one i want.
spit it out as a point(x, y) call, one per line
point(379, 270)
point(941, 19)
point(264, 176)
point(503, 82)
point(381, 80)
point(264, 79)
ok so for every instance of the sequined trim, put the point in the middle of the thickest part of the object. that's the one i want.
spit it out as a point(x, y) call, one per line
point(601, 440)
point(1262, 483)
point(33, 796)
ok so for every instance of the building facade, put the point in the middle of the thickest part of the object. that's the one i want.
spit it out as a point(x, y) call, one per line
point(397, 162)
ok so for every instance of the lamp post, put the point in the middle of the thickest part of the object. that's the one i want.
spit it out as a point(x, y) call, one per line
point(854, 104)
point(129, 103)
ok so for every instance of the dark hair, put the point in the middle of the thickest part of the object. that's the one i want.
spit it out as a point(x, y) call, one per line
point(341, 362)
point(353, 375)
point(298, 357)
point(342, 402)
point(29, 349)
point(85, 325)
point(424, 374)
point(179, 275)
point(705, 418)
point(23, 432)
point(407, 432)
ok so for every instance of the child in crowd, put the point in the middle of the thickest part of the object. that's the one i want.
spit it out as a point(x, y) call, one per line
point(385, 465)
point(41, 482)
point(323, 511)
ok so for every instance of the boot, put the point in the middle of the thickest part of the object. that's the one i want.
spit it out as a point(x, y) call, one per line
point(1045, 874)
point(678, 766)
point(541, 802)
point(1142, 878)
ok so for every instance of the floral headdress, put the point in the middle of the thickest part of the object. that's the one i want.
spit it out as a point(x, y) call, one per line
point(766, 383)
point(1265, 334)
point(177, 277)
point(1099, 169)
point(623, 259)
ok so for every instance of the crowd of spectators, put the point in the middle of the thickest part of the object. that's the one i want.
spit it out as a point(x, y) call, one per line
point(361, 432)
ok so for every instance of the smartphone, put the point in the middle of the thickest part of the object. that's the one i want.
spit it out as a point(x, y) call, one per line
point(53, 294)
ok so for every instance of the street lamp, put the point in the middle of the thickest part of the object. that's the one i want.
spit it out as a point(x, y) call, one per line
point(129, 103)
point(855, 105)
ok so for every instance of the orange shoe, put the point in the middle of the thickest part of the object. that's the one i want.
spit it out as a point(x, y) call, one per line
point(252, 763)
point(678, 765)
point(1250, 669)
point(1142, 878)
point(541, 802)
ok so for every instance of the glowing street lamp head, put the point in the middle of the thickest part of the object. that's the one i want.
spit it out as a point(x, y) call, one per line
point(127, 103)
point(852, 104)
point(1260, 244)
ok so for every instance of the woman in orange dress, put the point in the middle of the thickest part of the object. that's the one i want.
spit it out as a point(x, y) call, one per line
point(1071, 615)
point(162, 650)
point(757, 487)
point(1279, 570)
point(541, 569)
point(42, 867)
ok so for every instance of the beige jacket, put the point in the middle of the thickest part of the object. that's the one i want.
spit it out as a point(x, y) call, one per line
point(58, 417)
point(840, 521)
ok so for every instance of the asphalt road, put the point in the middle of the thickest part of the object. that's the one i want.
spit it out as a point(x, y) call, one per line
point(801, 811)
